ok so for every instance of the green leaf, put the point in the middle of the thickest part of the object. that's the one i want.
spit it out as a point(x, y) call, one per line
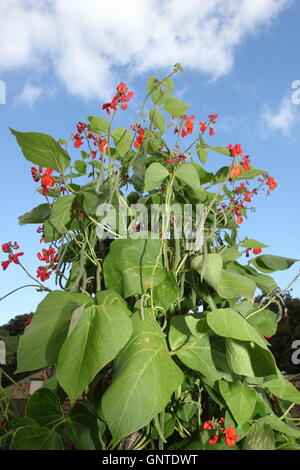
point(166, 293)
point(82, 428)
point(155, 174)
point(42, 150)
point(144, 379)
point(175, 107)
point(278, 425)
point(158, 119)
point(209, 267)
point(38, 215)
point(80, 166)
point(222, 150)
point(264, 321)
point(230, 253)
point(110, 297)
point(251, 243)
point(98, 124)
point(283, 389)
point(260, 437)
point(168, 82)
point(44, 408)
point(240, 400)
point(36, 438)
point(248, 359)
point(202, 154)
point(194, 344)
point(187, 174)
point(233, 285)
point(133, 266)
point(229, 323)
point(272, 263)
point(263, 282)
point(100, 333)
point(122, 139)
point(61, 215)
point(41, 342)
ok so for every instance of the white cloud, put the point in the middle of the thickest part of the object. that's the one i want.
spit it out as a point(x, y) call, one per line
point(28, 95)
point(281, 119)
point(83, 43)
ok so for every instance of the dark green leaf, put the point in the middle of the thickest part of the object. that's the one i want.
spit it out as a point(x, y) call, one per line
point(42, 150)
point(38, 215)
point(144, 379)
point(36, 438)
point(41, 342)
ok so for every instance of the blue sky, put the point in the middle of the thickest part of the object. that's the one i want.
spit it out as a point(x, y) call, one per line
point(240, 58)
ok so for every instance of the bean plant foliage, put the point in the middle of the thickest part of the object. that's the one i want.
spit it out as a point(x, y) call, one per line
point(156, 338)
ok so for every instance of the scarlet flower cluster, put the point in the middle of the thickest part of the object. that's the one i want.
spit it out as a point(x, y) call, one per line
point(140, 138)
point(78, 140)
point(271, 183)
point(242, 189)
point(51, 258)
point(189, 126)
point(121, 97)
point(218, 427)
point(235, 170)
point(235, 150)
point(212, 120)
point(46, 178)
point(12, 257)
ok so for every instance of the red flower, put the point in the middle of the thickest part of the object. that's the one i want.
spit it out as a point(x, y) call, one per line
point(230, 436)
point(268, 336)
point(77, 143)
point(207, 424)
point(271, 183)
point(189, 126)
point(235, 150)
point(212, 118)
point(257, 251)
point(12, 257)
point(15, 257)
point(245, 163)
point(27, 322)
point(50, 257)
point(122, 97)
point(211, 131)
point(36, 173)
point(239, 220)
point(5, 264)
point(235, 171)
point(203, 126)
point(6, 248)
point(214, 439)
point(81, 126)
point(140, 138)
point(47, 180)
point(103, 146)
point(42, 273)
point(94, 154)
point(171, 160)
